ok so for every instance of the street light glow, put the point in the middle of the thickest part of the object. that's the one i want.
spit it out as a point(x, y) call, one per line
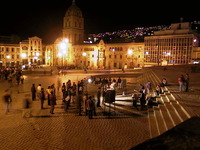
point(130, 51)
point(84, 54)
point(23, 55)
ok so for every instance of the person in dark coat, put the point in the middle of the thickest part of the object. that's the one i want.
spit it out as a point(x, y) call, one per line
point(52, 102)
point(135, 98)
point(7, 99)
point(98, 97)
point(33, 91)
point(143, 100)
point(90, 107)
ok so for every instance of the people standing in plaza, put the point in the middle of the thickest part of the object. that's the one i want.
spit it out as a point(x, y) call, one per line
point(187, 79)
point(39, 87)
point(63, 91)
point(135, 99)
point(143, 99)
point(48, 93)
point(33, 92)
point(7, 99)
point(52, 102)
point(26, 113)
point(98, 97)
point(22, 79)
point(148, 87)
point(42, 98)
point(181, 81)
point(10, 80)
point(74, 88)
point(90, 107)
point(119, 83)
point(158, 90)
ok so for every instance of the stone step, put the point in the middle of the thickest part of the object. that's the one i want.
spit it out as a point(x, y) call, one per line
point(167, 117)
point(170, 97)
point(159, 100)
point(174, 114)
point(160, 120)
point(153, 125)
point(181, 111)
point(164, 98)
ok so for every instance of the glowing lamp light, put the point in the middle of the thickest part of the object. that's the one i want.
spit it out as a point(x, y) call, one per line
point(23, 55)
point(130, 51)
point(84, 54)
point(60, 54)
point(89, 80)
point(37, 54)
point(8, 56)
point(64, 44)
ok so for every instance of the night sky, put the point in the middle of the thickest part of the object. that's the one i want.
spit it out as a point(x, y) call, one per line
point(44, 18)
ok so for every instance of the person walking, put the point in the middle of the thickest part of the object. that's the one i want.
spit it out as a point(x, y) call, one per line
point(90, 107)
point(52, 102)
point(33, 92)
point(7, 99)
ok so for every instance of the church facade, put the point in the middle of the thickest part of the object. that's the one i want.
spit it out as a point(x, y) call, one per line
point(177, 45)
point(86, 55)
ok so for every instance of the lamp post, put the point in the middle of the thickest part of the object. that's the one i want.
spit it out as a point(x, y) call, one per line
point(130, 52)
point(84, 55)
point(63, 46)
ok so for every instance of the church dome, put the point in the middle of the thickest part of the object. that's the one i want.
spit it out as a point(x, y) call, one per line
point(73, 10)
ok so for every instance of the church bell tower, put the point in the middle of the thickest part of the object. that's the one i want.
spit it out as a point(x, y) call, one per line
point(73, 24)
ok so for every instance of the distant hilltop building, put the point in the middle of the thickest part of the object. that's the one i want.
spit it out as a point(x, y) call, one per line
point(177, 45)
point(173, 46)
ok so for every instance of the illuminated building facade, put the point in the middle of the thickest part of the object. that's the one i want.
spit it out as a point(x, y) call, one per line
point(177, 45)
point(27, 52)
point(174, 46)
point(95, 56)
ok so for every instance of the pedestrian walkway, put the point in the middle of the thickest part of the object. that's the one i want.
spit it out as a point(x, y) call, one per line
point(123, 128)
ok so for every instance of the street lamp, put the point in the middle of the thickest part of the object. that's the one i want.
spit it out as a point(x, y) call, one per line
point(84, 55)
point(63, 46)
point(130, 52)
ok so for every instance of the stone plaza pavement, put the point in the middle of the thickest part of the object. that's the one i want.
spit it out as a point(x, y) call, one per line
point(66, 130)
point(123, 129)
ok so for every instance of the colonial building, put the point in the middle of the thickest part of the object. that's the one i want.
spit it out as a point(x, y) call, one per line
point(27, 52)
point(81, 55)
point(177, 45)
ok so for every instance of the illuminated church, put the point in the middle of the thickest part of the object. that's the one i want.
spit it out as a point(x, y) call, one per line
point(177, 45)
point(70, 50)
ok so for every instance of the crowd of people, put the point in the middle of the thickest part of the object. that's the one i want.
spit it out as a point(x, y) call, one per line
point(73, 92)
point(11, 75)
